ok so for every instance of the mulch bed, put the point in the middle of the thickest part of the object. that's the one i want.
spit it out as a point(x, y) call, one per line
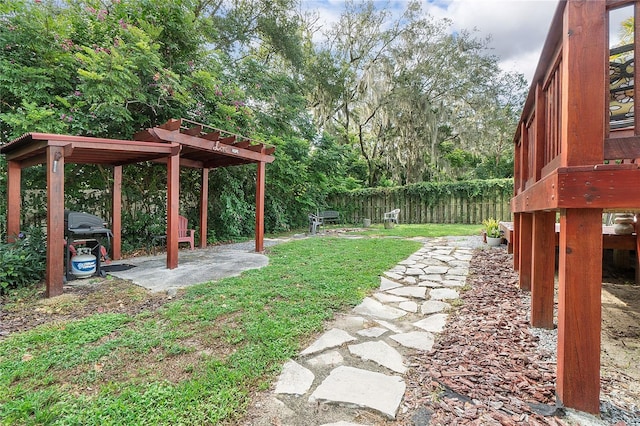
point(486, 367)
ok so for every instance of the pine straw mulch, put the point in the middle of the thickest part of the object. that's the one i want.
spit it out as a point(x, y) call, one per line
point(486, 367)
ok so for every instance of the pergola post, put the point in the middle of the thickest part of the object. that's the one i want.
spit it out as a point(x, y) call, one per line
point(525, 242)
point(173, 199)
point(543, 269)
point(204, 207)
point(55, 221)
point(260, 177)
point(116, 214)
point(14, 173)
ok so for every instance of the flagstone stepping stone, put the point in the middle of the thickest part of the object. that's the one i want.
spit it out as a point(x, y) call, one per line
point(414, 271)
point(330, 339)
point(413, 291)
point(343, 423)
point(327, 358)
point(389, 298)
point(410, 280)
point(362, 388)
point(431, 277)
point(409, 306)
point(443, 294)
point(445, 251)
point(463, 256)
point(422, 340)
point(430, 284)
point(380, 353)
point(453, 283)
point(407, 262)
point(443, 258)
point(376, 309)
point(372, 332)
point(349, 322)
point(433, 307)
point(433, 323)
point(389, 326)
point(294, 379)
point(386, 284)
point(394, 275)
point(456, 277)
point(436, 269)
point(458, 271)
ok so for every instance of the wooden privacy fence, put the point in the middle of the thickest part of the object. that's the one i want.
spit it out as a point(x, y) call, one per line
point(468, 202)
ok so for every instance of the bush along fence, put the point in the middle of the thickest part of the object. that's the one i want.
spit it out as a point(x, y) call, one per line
point(465, 202)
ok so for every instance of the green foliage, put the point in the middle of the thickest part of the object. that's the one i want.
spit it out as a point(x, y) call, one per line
point(491, 227)
point(23, 262)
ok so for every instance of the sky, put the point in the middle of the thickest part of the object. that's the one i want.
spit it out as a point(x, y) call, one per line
point(518, 27)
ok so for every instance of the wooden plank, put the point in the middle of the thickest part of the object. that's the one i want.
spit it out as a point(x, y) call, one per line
point(173, 202)
point(116, 214)
point(204, 206)
point(620, 148)
point(214, 146)
point(14, 176)
point(543, 269)
point(516, 241)
point(260, 178)
point(579, 309)
point(193, 131)
point(55, 222)
point(526, 248)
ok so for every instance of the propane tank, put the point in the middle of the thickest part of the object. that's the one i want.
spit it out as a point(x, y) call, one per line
point(83, 264)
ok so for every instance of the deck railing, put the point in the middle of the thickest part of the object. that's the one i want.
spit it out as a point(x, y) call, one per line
point(538, 141)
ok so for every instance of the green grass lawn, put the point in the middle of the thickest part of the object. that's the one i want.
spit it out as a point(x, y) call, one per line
point(197, 359)
point(423, 230)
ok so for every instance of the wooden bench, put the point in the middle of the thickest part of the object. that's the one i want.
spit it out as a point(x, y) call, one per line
point(329, 216)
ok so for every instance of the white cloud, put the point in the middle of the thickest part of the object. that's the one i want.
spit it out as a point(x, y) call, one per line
point(518, 28)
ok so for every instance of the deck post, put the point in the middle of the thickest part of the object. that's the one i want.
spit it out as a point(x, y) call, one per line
point(260, 177)
point(526, 245)
point(14, 173)
point(173, 199)
point(116, 213)
point(55, 221)
point(543, 269)
point(579, 309)
point(204, 207)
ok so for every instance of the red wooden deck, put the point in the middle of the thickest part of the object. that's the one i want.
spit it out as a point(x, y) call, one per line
point(576, 154)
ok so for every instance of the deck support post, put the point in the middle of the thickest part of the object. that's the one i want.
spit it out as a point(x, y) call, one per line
point(173, 199)
point(116, 214)
point(55, 221)
point(579, 309)
point(14, 173)
point(204, 207)
point(543, 269)
point(526, 246)
point(260, 177)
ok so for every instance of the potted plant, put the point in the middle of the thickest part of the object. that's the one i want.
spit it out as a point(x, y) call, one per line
point(492, 229)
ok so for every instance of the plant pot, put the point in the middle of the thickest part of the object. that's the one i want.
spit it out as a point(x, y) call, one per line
point(388, 224)
point(366, 223)
point(494, 241)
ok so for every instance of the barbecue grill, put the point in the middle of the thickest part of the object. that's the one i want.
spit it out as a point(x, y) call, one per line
point(87, 230)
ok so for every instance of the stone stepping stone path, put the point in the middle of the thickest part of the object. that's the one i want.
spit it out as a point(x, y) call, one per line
point(353, 374)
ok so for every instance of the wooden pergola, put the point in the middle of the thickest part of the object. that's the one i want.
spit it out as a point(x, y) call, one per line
point(177, 143)
point(574, 158)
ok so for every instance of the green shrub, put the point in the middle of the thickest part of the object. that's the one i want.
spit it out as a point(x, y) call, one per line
point(23, 262)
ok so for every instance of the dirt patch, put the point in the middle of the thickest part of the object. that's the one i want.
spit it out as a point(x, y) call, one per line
point(84, 298)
